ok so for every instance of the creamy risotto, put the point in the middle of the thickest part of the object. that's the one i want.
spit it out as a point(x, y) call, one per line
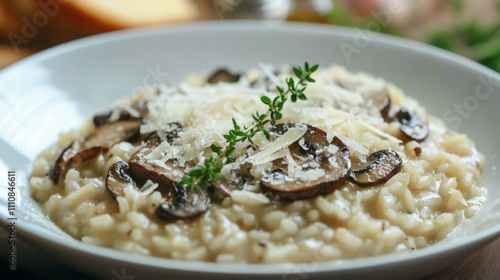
point(358, 169)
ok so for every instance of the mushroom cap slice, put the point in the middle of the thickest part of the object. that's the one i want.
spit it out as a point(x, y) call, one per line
point(313, 153)
point(142, 169)
point(382, 101)
point(171, 131)
point(184, 205)
point(118, 178)
point(223, 75)
point(165, 175)
point(412, 126)
point(151, 141)
point(380, 167)
point(85, 155)
point(179, 204)
point(222, 187)
point(140, 111)
point(59, 167)
point(238, 179)
point(110, 134)
point(99, 141)
point(72, 156)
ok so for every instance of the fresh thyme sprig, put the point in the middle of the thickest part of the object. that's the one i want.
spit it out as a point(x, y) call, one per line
point(203, 174)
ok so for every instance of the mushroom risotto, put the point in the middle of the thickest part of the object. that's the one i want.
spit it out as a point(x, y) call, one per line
point(267, 166)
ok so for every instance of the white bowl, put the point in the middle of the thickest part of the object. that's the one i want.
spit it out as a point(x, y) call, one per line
point(55, 90)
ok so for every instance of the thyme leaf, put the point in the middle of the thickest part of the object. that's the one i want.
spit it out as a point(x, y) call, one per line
point(202, 175)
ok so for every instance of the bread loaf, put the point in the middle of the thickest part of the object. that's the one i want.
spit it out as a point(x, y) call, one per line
point(95, 16)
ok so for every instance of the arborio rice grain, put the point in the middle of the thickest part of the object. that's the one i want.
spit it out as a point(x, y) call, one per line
point(438, 188)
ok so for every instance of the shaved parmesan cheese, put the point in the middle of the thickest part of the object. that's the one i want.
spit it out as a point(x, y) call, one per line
point(279, 154)
point(148, 188)
point(354, 146)
point(311, 175)
point(380, 132)
point(291, 135)
point(336, 104)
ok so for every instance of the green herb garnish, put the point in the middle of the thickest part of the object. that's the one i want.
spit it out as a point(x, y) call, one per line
point(203, 174)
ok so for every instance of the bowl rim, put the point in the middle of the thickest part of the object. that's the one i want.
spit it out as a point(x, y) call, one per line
point(34, 232)
point(344, 265)
point(251, 25)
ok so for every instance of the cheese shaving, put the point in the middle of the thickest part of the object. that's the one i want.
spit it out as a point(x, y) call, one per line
point(291, 135)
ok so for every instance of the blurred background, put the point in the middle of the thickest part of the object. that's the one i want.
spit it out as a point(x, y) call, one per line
point(468, 27)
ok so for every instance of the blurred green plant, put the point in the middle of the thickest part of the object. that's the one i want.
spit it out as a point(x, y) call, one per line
point(469, 38)
point(478, 42)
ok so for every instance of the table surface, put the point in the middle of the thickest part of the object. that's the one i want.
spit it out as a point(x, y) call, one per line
point(483, 264)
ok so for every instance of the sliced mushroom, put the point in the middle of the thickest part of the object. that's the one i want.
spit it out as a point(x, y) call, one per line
point(380, 167)
point(165, 174)
point(172, 131)
point(179, 204)
point(312, 152)
point(119, 174)
point(412, 126)
point(58, 168)
point(151, 141)
point(104, 118)
point(72, 156)
point(184, 205)
point(110, 134)
point(239, 178)
point(223, 75)
point(140, 110)
point(118, 178)
point(85, 155)
point(99, 141)
point(169, 133)
point(382, 100)
point(222, 187)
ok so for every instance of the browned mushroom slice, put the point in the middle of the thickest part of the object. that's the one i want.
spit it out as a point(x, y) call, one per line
point(142, 169)
point(184, 205)
point(222, 188)
point(223, 75)
point(412, 126)
point(165, 175)
point(314, 154)
point(180, 205)
point(110, 134)
point(99, 141)
point(85, 155)
point(118, 178)
point(239, 178)
point(172, 131)
point(151, 141)
point(380, 167)
point(70, 157)
point(104, 118)
point(382, 101)
point(58, 168)
point(140, 109)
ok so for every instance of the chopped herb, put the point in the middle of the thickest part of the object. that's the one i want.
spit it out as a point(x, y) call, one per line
point(203, 174)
